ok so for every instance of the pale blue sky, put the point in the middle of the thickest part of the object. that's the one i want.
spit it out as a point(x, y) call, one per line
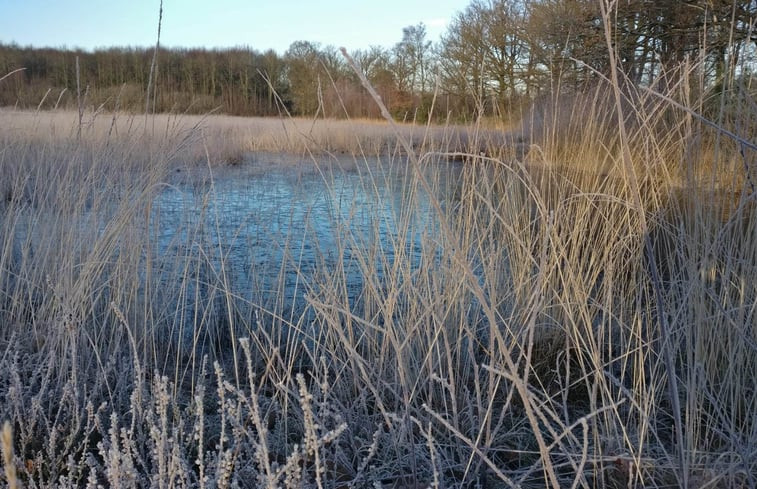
point(259, 24)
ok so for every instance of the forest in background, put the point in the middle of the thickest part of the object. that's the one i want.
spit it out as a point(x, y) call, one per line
point(495, 57)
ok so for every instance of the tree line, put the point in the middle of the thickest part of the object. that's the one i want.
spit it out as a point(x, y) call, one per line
point(494, 56)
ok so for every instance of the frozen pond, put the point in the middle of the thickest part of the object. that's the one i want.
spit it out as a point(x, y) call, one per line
point(273, 228)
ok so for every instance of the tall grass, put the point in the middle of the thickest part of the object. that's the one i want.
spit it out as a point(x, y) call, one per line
point(520, 344)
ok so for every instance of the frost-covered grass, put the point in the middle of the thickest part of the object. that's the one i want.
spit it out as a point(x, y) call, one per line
point(540, 341)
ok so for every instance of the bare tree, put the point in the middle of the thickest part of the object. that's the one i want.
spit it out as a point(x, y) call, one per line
point(302, 70)
point(486, 56)
point(413, 55)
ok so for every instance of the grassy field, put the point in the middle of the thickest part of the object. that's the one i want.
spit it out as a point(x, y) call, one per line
point(585, 316)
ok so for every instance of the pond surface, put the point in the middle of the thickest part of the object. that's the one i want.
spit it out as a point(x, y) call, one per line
point(274, 227)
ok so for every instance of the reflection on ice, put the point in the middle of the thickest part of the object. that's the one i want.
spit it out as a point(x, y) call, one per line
point(271, 230)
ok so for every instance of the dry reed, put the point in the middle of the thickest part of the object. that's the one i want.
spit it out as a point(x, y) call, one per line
point(529, 339)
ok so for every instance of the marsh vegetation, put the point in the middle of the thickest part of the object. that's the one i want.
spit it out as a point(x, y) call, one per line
point(208, 301)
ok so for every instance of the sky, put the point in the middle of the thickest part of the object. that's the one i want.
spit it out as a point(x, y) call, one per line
point(258, 24)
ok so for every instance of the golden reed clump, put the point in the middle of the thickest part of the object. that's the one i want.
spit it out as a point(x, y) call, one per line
point(10, 467)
